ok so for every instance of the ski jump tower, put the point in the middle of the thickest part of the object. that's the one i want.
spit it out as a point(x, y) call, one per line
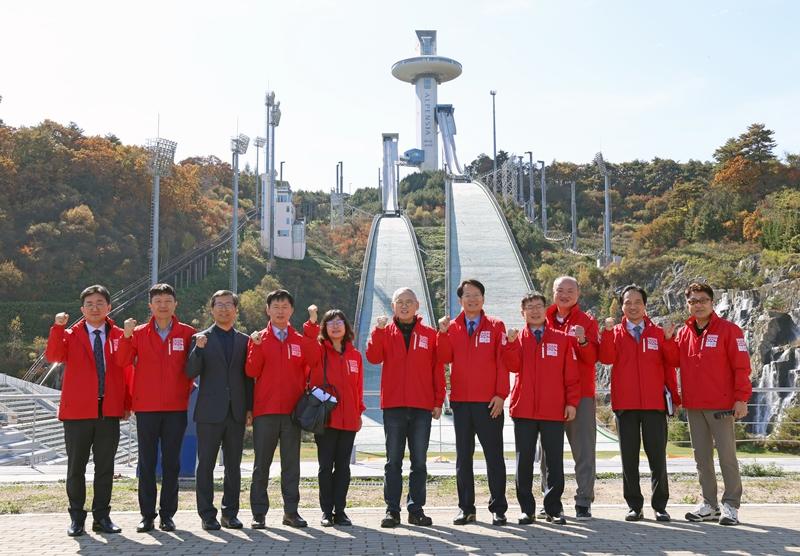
point(425, 72)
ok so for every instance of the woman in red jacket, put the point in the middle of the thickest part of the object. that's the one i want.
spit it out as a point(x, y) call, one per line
point(639, 352)
point(340, 371)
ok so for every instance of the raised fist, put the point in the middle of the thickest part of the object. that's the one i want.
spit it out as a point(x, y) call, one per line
point(444, 324)
point(312, 313)
point(200, 340)
point(129, 325)
point(580, 333)
point(62, 319)
point(609, 323)
point(256, 337)
point(669, 330)
point(382, 321)
point(512, 334)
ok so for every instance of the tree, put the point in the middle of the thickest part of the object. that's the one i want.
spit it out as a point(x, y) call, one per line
point(756, 145)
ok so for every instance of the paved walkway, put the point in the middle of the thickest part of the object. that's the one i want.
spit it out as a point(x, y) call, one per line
point(768, 530)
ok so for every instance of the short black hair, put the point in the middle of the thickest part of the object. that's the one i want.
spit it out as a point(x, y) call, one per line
point(471, 282)
point(162, 289)
point(280, 295)
point(96, 288)
point(335, 314)
point(530, 296)
point(633, 288)
point(699, 287)
point(224, 293)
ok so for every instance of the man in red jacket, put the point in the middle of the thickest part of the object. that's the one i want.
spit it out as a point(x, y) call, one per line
point(278, 358)
point(478, 387)
point(160, 396)
point(545, 395)
point(565, 315)
point(412, 391)
point(92, 402)
point(715, 383)
point(639, 352)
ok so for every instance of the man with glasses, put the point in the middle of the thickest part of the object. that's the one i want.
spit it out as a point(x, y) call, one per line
point(715, 387)
point(93, 400)
point(478, 387)
point(412, 392)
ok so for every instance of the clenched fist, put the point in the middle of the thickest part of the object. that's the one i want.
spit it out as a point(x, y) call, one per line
point(312, 313)
point(62, 319)
point(512, 334)
point(609, 323)
point(580, 333)
point(382, 321)
point(200, 340)
point(669, 330)
point(129, 325)
point(256, 337)
point(444, 324)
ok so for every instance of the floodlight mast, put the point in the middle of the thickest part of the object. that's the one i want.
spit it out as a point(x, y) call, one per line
point(532, 202)
point(601, 165)
point(238, 147)
point(162, 154)
point(258, 143)
point(544, 198)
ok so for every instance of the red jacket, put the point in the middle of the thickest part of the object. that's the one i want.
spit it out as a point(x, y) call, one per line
point(477, 373)
point(547, 375)
point(715, 367)
point(280, 370)
point(410, 377)
point(587, 355)
point(640, 371)
point(345, 372)
point(156, 379)
point(79, 387)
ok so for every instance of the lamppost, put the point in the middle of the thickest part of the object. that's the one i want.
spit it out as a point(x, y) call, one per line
point(494, 142)
point(258, 142)
point(280, 179)
point(273, 120)
point(574, 212)
point(238, 147)
point(601, 165)
point(532, 205)
point(162, 153)
point(341, 177)
point(544, 198)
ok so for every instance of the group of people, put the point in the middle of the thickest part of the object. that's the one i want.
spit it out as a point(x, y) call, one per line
point(152, 368)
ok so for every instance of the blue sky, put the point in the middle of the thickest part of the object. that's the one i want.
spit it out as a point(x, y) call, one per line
point(637, 79)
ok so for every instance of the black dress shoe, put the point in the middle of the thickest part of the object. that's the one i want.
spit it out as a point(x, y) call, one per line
point(327, 520)
point(634, 515)
point(145, 525)
point(526, 519)
point(340, 518)
point(259, 521)
point(499, 518)
point(166, 524)
point(105, 525)
point(662, 515)
point(557, 519)
point(294, 520)
point(75, 529)
point(582, 513)
point(392, 519)
point(419, 518)
point(463, 518)
point(231, 522)
point(211, 524)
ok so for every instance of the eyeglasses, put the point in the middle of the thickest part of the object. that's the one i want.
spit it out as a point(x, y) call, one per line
point(698, 300)
point(226, 305)
point(405, 303)
point(336, 322)
point(471, 296)
point(100, 305)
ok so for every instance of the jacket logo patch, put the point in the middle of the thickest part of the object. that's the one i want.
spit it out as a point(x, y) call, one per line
point(652, 343)
point(741, 344)
point(571, 331)
point(177, 344)
point(295, 350)
point(503, 339)
point(485, 337)
point(552, 350)
point(423, 342)
point(711, 340)
point(115, 344)
point(353, 366)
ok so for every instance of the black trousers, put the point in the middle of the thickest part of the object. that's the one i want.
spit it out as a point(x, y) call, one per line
point(100, 437)
point(164, 429)
point(526, 433)
point(333, 454)
point(228, 434)
point(651, 427)
point(469, 419)
point(267, 431)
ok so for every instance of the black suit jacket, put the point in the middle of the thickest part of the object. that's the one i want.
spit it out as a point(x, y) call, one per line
point(221, 385)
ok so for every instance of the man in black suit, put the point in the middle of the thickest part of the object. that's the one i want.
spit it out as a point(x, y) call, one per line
point(224, 408)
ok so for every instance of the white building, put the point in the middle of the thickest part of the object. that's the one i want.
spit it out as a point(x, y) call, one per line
point(290, 234)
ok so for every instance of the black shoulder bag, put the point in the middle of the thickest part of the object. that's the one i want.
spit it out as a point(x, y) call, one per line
point(313, 410)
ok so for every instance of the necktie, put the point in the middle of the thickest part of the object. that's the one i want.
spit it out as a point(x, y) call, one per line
point(637, 332)
point(538, 334)
point(471, 327)
point(281, 335)
point(100, 363)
